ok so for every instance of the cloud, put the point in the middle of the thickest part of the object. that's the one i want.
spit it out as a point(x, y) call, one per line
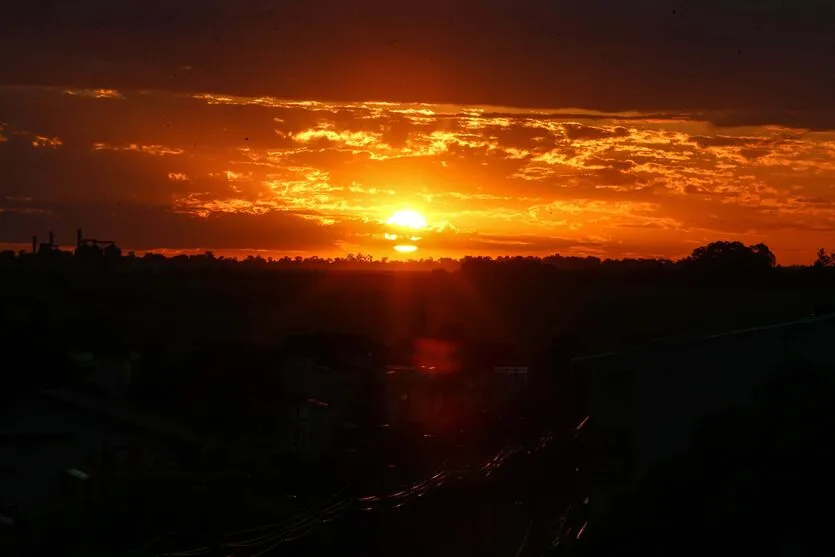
point(645, 57)
point(579, 131)
point(41, 142)
point(706, 142)
point(95, 93)
point(325, 136)
point(819, 119)
point(158, 150)
point(144, 227)
point(519, 243)
point(578, 179)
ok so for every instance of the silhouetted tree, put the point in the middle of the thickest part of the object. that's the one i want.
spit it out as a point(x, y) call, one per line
point(727, 257)
point(572, 262)
point(733, 257)
point(824, 259)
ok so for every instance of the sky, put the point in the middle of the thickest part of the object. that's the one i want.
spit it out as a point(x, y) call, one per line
point(641, 128)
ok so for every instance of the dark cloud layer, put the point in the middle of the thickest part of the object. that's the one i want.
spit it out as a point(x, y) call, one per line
point(765, 56)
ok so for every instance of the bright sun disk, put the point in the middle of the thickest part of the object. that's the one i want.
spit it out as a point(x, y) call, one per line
point(407, 219)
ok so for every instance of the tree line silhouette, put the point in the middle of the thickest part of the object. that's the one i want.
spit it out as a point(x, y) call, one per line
point(728, 256)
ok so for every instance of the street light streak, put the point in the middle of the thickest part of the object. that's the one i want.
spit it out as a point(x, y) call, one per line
point(582, 529)
point(306, 522)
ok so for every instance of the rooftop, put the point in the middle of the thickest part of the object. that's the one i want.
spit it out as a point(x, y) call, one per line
point(666, 343)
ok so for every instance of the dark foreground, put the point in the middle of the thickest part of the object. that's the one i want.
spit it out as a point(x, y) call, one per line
point(518, 508)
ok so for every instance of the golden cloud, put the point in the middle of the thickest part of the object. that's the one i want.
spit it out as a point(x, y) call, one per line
point(157, 150)
point(344, 137)
point(583, 166)
point(40, 141)
point(195, 205)
point(95, 93)
point(581, 175)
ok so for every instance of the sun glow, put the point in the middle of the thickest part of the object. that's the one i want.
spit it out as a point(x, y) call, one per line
point(403, 228)
point(405, 249)
point(407, 219)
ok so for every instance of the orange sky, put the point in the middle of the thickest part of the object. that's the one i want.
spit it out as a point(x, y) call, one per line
point(157, 170)
point(663, 124)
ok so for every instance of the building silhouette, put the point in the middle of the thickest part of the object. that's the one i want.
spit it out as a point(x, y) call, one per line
point(44, 249)
point(91, 248)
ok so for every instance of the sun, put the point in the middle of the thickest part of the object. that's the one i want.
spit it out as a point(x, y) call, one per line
point(407, 219)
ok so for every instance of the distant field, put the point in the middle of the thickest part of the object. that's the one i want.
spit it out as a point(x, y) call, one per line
point(263, 306)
